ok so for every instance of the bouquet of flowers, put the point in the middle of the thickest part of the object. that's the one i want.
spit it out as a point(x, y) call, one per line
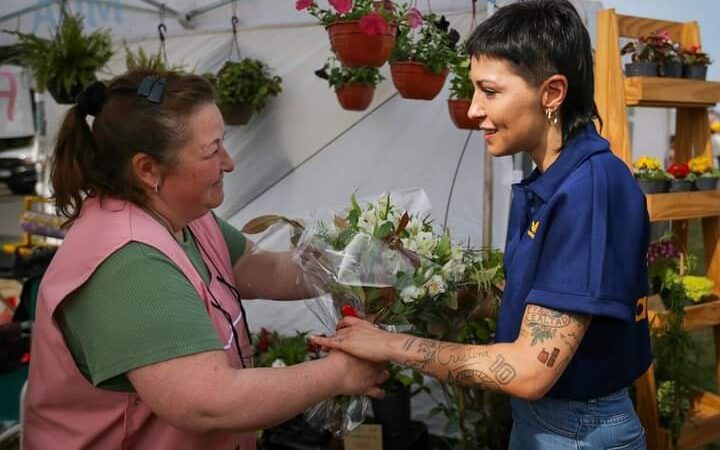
point(387, 264)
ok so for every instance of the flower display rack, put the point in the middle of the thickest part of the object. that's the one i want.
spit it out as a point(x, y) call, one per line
point(613, 94)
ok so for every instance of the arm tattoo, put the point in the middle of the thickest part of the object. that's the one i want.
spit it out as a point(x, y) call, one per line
point(545, 323)
point(426, 348)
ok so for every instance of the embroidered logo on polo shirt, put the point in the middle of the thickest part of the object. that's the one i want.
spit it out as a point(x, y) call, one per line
point(534, 225)
point(641, 309)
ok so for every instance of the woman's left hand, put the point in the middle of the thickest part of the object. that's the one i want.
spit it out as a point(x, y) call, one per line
point(360, 338)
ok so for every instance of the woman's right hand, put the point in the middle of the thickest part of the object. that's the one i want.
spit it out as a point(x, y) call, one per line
point(357, 376)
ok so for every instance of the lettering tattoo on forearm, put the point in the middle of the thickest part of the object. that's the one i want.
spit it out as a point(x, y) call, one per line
point(501, 373)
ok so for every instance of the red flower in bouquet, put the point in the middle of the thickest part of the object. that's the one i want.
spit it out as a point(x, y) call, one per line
point(349, 311)
point(341, 6)
point(264, 342)
point(373, 24)
point(679, 171)
point(303, 4)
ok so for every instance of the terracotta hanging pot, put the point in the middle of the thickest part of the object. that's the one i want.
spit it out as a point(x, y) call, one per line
point(414, 81)
point(236, 115)
point(354, 48)
point(458, 113)
point(355, 97)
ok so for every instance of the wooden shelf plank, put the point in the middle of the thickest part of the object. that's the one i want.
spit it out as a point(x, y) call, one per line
point(683, 205)
point(671, 92)
point(697, 317)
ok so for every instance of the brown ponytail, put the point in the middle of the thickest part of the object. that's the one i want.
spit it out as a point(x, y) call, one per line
point(97, 161)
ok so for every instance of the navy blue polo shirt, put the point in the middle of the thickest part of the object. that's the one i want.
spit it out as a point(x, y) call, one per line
point(577, 242)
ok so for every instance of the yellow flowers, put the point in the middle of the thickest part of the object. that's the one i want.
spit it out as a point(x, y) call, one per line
point(697, 287)
point(700, 165)
point(647, 163)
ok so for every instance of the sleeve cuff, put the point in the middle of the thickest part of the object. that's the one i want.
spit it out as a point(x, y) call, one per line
point(583, 304)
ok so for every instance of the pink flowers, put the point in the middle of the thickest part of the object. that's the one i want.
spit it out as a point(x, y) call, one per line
point(341, 6)
point(414, 18)
point(303, 4)
point(373, 24)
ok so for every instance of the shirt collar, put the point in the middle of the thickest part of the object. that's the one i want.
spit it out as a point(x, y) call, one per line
point(578, 149)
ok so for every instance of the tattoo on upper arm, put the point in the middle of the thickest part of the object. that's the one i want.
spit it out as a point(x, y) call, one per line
point(548, 359)
point(544, 323)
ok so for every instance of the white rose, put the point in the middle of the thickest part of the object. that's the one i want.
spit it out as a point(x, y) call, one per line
point(279, 363)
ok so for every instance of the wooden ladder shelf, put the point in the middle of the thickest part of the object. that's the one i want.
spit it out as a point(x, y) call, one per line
point(613, 94)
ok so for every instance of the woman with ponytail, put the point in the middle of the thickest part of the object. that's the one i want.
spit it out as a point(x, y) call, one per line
point(141, 340)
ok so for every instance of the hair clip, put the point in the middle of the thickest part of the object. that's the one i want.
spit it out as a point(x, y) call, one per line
point(152, 88)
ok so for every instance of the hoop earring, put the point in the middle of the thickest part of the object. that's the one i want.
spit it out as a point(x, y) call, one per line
point(552, 116)
point(156, 189)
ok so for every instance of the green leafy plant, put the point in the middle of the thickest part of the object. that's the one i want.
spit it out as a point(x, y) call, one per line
point(655, 47)
point(68, 62)
point(427, 40)
point(694, 57)
point(338, 75)
point(676, 354)
point(140, 60)
point(247, 82)
point(461, 87)
point(275, 350)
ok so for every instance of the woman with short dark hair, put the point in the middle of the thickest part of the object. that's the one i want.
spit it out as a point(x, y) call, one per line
point(572, 332)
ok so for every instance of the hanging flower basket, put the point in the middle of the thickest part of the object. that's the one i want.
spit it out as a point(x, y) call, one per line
point(355, 48)
point(414, 81)
point(458, 113)
point(356, 96)
point(236, 115)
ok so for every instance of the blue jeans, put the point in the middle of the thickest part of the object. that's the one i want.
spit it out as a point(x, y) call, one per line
point(607, 423)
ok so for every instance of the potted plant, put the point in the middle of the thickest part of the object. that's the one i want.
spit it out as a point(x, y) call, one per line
point(650, 175)
point(706, 178)
point(140, 60)
point(354, 86)
point(680, 181)
point(243, 87)
point(424, 49)
point(695, 63)
point(393, 411)
point(671, 62)
point(647, 53)
point(676, 353)
point(362, 32)
point(67, 63)
point(461, 93)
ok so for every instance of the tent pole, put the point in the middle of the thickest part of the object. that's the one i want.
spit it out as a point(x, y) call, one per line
point(29, 9)
point(196, 12)
point(47, 3)
point(161, 5)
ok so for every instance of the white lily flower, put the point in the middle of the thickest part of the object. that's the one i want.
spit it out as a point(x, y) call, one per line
point(436, 285)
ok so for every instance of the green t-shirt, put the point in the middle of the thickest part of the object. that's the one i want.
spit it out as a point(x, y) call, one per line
point(138, 308)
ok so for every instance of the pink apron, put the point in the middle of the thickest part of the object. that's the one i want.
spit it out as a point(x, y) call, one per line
point(63, 410)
